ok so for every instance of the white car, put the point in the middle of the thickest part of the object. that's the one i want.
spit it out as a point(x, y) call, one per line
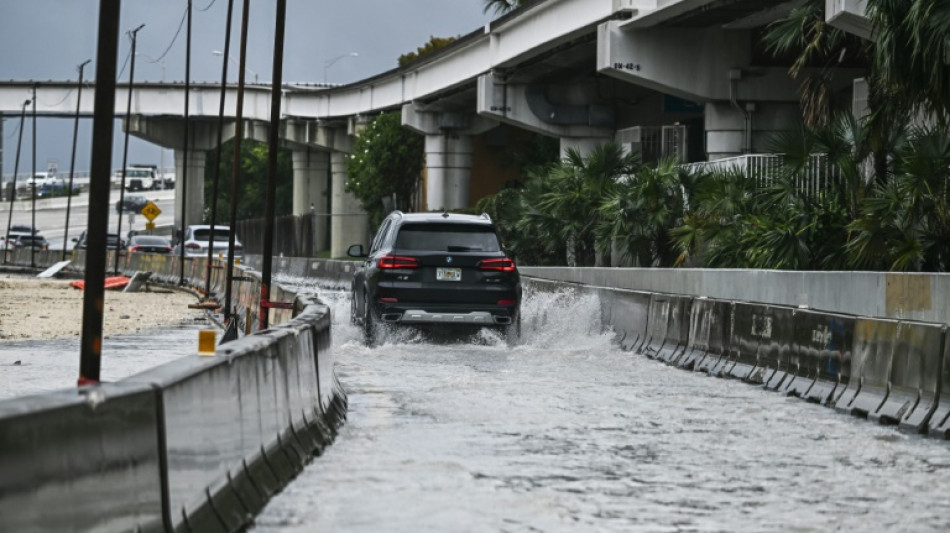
point(198, 237)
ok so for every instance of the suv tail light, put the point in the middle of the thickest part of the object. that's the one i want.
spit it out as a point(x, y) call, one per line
point(497, 265)
point(395, 261)
point(193, 246)
point(134, 248)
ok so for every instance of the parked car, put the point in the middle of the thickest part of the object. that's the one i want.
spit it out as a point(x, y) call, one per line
point(111, 240)
point(198, 237)
point(130, 203)
point(25, 240)
point(436, 268)
point(149, 244)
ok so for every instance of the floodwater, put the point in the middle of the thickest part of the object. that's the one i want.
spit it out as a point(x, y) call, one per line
point(39, 366)
point(566, 432)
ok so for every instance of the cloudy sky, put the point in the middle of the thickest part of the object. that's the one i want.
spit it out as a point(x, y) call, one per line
point(47, 39)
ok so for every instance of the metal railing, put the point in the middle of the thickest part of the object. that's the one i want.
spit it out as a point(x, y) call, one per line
point(818, 176)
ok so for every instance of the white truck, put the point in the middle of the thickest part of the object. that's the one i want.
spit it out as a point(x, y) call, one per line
point(138, 178)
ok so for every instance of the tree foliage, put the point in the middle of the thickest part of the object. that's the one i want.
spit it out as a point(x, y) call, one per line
point(434, 43)
point(501, 7)
point(386, 162)
point(252, 182)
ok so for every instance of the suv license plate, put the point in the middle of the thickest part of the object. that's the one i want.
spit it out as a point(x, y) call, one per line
point(448, 274)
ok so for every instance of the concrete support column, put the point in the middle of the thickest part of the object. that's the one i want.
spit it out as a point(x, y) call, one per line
point(319, 198)
point(350, 224)
point(301, 192)
point(449, 171)
point(748, 127)
point(194, 211)
point(584, 145)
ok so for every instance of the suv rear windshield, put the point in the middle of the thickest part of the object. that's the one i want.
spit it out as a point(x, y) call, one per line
point(447, 238)
point(219, 234)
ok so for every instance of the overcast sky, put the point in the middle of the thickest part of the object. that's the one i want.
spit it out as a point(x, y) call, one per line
point(47, 39)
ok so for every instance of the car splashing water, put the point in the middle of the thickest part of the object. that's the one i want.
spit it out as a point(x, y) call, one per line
point(564, 432)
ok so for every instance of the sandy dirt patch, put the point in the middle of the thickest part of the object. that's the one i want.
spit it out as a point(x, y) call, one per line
point(31, 308)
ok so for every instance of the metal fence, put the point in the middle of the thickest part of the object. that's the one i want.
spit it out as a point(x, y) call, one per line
point(293, 235)
point(818, 176)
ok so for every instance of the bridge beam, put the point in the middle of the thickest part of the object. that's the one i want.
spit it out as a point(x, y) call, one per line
point(570, 111)
point(194, 211)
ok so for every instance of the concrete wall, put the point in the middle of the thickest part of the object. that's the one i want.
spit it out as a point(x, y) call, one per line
point(198, 444)
point(877, 294)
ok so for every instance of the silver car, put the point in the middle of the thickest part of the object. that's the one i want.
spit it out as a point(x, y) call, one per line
point(198, 237)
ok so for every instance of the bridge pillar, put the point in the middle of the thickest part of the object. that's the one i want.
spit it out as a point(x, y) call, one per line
point(193, 213)
point(311, 173)
point(449, 147)
point(350, 223)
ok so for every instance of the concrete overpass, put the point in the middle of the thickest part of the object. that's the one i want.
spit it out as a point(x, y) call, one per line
point(666, 76)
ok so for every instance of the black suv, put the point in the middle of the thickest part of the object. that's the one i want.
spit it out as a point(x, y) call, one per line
point(436, 268)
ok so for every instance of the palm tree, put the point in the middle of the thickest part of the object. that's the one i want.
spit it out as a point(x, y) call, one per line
point(501, 7)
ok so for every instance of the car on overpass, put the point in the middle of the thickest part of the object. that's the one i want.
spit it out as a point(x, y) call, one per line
point(131, 203)
point(438, 270)
point(17, 239)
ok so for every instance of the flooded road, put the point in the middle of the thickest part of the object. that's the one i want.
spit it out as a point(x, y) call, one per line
point(568, 433)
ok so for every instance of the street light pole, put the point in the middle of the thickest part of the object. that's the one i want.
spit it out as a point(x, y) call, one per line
point(72, 161)
point(333, 60)
point(230, 58)
point(16, 169)
point(125, 150)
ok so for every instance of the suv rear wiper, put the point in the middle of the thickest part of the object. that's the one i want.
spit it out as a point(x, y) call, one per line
point(464, 249)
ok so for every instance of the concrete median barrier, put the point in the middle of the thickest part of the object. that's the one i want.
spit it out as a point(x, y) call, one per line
point(940, 420)
point(915, 376)
point(657, 325)
point(716, 349)
point(749, 326)
point(628, 315)
point(677, 331)
point(774, 351)
point(821, 342)
point(870, 367)
point(82, 460)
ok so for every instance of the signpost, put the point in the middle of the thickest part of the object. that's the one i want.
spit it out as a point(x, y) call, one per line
point(150, 212)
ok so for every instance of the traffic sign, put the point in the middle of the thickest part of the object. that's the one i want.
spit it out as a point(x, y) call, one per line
point(149, 226)
point(151, 211)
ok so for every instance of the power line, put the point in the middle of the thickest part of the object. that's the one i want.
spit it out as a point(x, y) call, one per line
point(209, 6)
point(175, 38)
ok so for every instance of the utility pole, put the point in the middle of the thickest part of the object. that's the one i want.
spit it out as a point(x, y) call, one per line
point(33, 199)
point(16, 170)
point(231, 332)
point(100, 169)
point(273, 142)
point(184, 158)
point(217, 160)
point(72, 160)
point(125, 149)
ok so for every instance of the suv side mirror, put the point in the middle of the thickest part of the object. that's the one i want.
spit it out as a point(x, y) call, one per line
point(356, 250)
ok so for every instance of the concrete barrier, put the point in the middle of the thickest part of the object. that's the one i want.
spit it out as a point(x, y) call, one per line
point(870, 367)
point(628, 312)
point(83, 460)
point(821, 343)
point(716, 346)
point(774, 351)
point(940, 420)
point(677, 330)
point(915, 376)
point(749, 326)
point(657, 325)
point(224, 433)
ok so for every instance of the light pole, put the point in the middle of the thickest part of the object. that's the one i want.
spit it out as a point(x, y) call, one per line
point(125, 150)
point(333, 60)
point(72, 161)
point(16, 169)
point(151, 59)
point(220, 53)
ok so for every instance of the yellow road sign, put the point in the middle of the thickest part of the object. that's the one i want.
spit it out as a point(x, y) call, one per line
point(151, 211)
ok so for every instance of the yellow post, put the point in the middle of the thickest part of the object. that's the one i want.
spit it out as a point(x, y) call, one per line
point(206, 342)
